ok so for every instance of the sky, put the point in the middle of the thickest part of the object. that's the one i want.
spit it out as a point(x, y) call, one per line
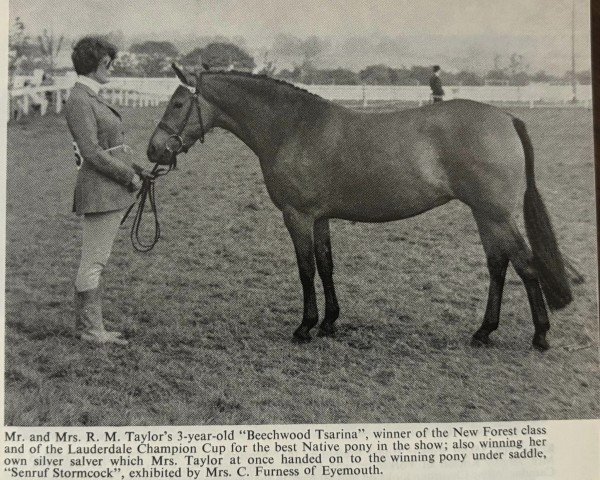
point(258, 21)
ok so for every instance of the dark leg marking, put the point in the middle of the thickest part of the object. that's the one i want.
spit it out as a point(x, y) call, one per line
point(491, 319)
point(300, 227)
point(325, 268)
point(501, 241)
point(539, 313)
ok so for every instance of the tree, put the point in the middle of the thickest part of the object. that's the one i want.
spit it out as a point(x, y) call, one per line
point(192, 59)
point(116, 37)
point(268, 69)
point(18, 44)
point(154, 57)
point(520, 78)
point(496, 76)
point(422, 74)
point(50, 47)
point(127, 65)
point(465, 77)
point(290, 75)
point(401, 76)
point(497, 61)
point(154, 66)
point(542, 76)
point(339, 76)
point(227, 56)
point(154, 48)
point(585, 77)
point(223, 56)
point(376, 75)
point(517, 70)
point(516, 64)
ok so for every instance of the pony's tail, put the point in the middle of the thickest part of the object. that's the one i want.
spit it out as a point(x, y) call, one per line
point(547, 259)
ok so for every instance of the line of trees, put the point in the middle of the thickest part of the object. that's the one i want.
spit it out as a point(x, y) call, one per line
point(418, 75)
point(153, 58)
point(148, 58)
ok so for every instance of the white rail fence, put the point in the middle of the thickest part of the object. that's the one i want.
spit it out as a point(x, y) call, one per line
point(531, 95)
point(136, 92)
point(144, 92)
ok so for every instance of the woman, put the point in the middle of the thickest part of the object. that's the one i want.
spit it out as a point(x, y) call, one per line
point(105, 181)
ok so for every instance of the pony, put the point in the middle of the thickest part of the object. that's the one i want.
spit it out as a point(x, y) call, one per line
point(321, 160)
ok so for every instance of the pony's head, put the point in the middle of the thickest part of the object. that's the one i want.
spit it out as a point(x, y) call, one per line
point(187, 118)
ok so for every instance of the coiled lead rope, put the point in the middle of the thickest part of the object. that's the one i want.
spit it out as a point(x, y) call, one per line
point(146, 192)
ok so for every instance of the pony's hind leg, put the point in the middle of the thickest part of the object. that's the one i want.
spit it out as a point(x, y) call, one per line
point(300, 227)
point(324, 259)
point(497, 262)
point(501, 239)
point(491, 319)
point(523, 263)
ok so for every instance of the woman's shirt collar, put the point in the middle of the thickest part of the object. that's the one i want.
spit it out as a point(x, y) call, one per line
point(92, 84)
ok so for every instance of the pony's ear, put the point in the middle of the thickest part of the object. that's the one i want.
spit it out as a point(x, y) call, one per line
point(200, 69)
point(185, 77)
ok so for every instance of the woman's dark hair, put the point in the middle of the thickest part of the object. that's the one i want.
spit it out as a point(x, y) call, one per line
point(88, 52)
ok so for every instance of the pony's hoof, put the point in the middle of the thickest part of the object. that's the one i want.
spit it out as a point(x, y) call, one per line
point(301, 335)
point(326, 330)
point(540, 343)
point(480, 340)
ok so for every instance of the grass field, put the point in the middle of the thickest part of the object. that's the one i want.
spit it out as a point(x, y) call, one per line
point(210, 311)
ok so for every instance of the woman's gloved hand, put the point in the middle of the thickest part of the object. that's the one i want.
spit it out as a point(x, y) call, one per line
point(141, 175)
point(136, 183)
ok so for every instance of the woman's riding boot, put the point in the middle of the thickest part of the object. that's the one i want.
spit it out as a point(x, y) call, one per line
point(100, 296)
point(89, 322)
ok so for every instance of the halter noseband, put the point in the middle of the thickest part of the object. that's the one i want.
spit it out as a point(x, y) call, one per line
point(178, 144)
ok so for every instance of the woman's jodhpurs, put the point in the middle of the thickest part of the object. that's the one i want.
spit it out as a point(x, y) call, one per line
point(99, 233)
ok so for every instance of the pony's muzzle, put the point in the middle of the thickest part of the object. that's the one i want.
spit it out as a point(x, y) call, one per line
point(174, 144)
point(152, 153)
point(157, 151)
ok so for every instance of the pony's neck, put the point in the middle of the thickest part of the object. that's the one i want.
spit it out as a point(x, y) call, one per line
point(259, 111)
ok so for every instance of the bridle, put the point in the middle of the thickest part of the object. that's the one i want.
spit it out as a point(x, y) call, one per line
point(174, 143)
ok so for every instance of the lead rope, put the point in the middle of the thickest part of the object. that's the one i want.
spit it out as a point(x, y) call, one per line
point(146, 192)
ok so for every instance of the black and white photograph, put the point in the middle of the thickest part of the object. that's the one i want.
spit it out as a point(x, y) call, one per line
point(295, 212)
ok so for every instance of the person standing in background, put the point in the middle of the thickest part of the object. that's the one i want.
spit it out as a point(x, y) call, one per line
point(435, 83)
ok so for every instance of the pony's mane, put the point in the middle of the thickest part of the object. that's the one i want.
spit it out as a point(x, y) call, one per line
point(268, 80)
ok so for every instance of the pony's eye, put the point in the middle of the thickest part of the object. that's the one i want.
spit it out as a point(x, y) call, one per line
point(177, 104)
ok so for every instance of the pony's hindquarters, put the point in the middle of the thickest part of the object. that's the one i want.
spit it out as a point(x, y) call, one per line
point(481, 156)
point(540, 267)
point(496, 167)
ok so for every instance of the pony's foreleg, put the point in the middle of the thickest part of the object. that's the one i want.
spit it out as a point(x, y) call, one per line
point(325, 268)
point(300, 227)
